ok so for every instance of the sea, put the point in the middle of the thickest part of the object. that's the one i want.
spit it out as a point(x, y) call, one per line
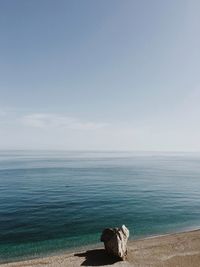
point(55, 201)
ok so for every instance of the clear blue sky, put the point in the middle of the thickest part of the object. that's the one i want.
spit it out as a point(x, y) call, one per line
point(104, 74)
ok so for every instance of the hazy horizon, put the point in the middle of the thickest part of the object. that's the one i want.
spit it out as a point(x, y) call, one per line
point(116, 151)
point(100, 75)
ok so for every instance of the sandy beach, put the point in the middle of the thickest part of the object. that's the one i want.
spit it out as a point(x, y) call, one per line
point(174, 250)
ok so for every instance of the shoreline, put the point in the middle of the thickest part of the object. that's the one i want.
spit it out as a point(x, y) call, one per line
point(183, 231)
point(173, 249)
point(98, 245)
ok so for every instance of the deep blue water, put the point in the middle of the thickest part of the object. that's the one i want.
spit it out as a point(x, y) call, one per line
point(51, 201)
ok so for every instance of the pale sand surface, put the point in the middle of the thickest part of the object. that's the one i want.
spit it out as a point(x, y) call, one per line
point(175, 250)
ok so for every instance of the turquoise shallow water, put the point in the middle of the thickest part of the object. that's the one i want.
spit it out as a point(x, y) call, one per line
point(52, 201)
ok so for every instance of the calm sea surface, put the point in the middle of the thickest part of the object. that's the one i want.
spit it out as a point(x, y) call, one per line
point(50, 201)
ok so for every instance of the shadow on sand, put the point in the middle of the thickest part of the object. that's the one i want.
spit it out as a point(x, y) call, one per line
point(96, 257)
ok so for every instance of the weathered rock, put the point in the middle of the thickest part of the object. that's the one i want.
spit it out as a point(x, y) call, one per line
point(115, 241)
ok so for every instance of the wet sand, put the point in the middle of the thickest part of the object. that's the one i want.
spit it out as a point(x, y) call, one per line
point(175, 250)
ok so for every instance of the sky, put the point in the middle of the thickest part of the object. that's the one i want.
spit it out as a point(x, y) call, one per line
point(100, 75)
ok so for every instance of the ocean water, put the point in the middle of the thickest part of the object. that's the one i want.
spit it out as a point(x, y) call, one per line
point(53, 201)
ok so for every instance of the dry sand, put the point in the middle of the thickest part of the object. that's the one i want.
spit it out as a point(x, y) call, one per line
point(175, 250)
